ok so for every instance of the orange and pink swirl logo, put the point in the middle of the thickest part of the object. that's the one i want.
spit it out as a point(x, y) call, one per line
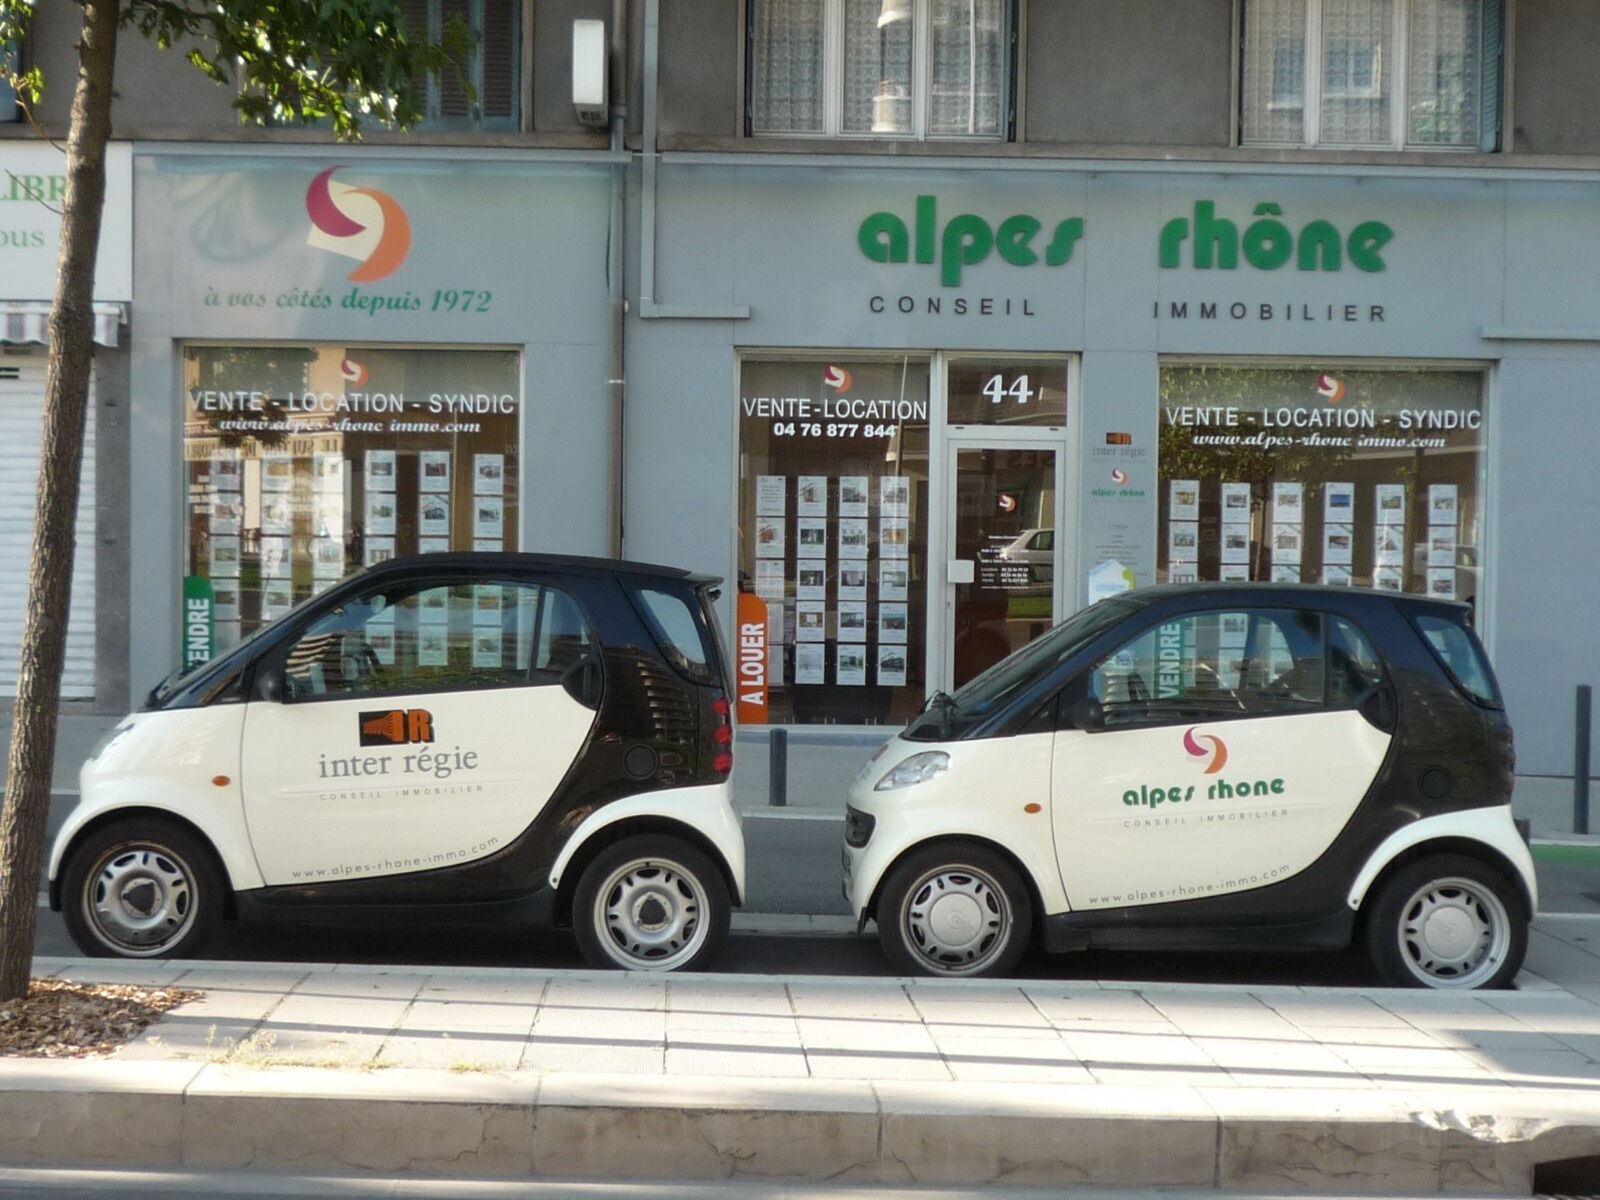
point(1118, 476)
point(1218, 751)
point(360, 223)
point(1330, 388)
point(355, 374)
point(837, 377)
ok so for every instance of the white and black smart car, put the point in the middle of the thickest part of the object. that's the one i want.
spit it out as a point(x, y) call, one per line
point(1232, 766)
point(454, 736)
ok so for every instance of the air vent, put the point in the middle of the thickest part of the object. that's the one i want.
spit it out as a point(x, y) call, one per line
point(10, 372)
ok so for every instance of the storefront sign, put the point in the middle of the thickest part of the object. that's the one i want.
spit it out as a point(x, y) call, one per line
point(752, 659)
point(964, 240)
point(1268, 243)
point(199, 636)
point(33, 187)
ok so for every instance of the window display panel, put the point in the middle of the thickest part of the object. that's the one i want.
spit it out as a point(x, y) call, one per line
point(304, 463)
point(833, 518)
point(1348, 477)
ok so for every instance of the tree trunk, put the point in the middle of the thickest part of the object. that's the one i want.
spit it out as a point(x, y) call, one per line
point(44, 630)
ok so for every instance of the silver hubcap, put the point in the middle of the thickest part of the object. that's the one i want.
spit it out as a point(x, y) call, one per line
point(140, 899)
point(652, 914)
point(957, 920)
point(1454, 933)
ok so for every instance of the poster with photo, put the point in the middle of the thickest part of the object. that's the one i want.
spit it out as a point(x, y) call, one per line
point(1441, 506)
point(1183, 542)
point(327, 558)
point(769, 537)
point(811, 579)
point(1235, 503)
point(1339, 503)
point(277, 473)
point(810, 621)
point(433, 647)
point(380, 513)
point(225, 600)
point(853, 580)
point(327, 472)
point(1234, 573)
point(1442, 583)
point(379, 472)
point(853, 537)
point(433, 606)
point(275, 562)
point(811, 496)
point(771, 583)
point(809, 662)
point(488, 474)
point(894, 537)
point(1287, 503)
point(438, 545)
point(488, 517)
point(892, 623)
point(1183, 502)
point(811, 537)
point(1336, 576)
point(1183, 573)
point(1235, 544)
point(1388, 546)
point(891, 670)
point(486, 545)
point(1338, 544)
point(487, 648)
point(226, 473)
point(433, 514)
point(1391, 504)
point(226, 512)
point(228, 634)
point(894, 496)
point(1441, 546)
point(853, 495)
point(225, 558)
point(377, 550)
point(277, 598)
point(277, 515)
point(380, 636)
point(1286, 546)
point(894, 579)
point(433, 471)
point(850, 664)
point(852, 621)
point(771, 495)
point(327, 510)
point(1388, 579)
point(1285, 572)
point(486, 606)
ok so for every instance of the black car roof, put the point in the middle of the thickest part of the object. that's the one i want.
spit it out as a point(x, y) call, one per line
point(509, 560)
point(1320, 595)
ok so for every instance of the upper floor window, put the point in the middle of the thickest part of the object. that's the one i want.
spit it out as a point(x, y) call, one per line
point(1371, 74)
point(880, 68)
point(491, 68)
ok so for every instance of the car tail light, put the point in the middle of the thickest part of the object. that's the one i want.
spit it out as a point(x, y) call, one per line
point(722, 736)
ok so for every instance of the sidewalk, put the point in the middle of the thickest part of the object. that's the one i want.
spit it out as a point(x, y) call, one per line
point(518, 1073)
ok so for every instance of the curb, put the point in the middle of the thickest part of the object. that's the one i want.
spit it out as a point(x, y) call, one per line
point(498, 1125)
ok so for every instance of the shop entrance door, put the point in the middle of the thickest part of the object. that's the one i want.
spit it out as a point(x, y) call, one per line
point(1003, 570)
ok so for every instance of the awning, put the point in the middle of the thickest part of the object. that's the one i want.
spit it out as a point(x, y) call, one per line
point(28, 321)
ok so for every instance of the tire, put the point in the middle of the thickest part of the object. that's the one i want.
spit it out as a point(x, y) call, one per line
point(142, 888)
point(1448, 922)
point(651, 903)
point(957, 910)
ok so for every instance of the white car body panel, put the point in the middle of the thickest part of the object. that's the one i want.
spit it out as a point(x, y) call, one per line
point(1140, 818)
point(983, 795)
point(708, 810)
point(321, 806)
point(170, 760)
point(1494, 827)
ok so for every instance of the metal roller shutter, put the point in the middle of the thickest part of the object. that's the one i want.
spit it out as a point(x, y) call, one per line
point(21, 411)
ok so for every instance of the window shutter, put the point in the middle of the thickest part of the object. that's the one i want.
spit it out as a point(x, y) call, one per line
point(1491, 76)
point(453, 101)
point(500, 48)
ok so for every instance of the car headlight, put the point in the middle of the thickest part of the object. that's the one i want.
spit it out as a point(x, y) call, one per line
point(909, 772)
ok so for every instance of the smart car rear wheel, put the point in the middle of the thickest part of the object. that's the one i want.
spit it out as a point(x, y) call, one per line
point(1448, 922)
point(141, 889)
point(651, 903)
point(955, 909)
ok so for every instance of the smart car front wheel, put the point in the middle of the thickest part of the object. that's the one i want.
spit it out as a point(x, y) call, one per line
point(141, 889)
point(1448, 922)
point(651, 903)
point(955, 909)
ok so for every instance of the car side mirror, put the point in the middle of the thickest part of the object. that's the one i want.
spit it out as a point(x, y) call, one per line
point(1086, 713)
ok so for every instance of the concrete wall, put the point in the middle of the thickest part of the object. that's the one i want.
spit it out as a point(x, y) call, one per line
point(1555, 104)
point(1141, 72)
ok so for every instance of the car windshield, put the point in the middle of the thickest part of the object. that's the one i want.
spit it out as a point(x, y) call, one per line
point(991, 690)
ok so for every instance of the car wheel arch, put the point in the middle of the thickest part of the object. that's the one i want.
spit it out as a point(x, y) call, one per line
point(1035, 900)
point(1466, 847)
point(598, 840)
point(230, 908)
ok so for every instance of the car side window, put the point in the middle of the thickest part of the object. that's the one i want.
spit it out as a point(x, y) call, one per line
point(448, 636)
point(1223, 663)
